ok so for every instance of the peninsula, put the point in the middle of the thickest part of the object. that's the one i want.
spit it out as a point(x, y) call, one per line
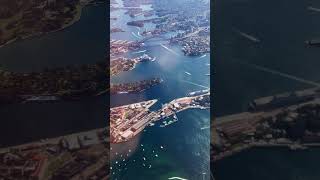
point(285, 120)
point(134, 87)
point(129, 120)
point(25, 19)
point(75, 156)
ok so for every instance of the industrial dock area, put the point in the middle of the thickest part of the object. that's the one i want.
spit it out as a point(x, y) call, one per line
point(75, 156)
point(286, 120)
point(129, 120)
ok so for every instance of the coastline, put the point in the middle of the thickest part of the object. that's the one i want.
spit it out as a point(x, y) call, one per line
point(51, 140)
point(258, 128)
point(76, 18)
point(168, 110)
point(291, 146)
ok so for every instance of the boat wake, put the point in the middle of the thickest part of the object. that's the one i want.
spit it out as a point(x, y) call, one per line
point(313, 9)
point(261, 68)
point(135, 35)
point(199, 85)
point(138, 52)
point(202, 56)
point(206, 127)
point(168, 49)
point(177, 178)
point(250, 37)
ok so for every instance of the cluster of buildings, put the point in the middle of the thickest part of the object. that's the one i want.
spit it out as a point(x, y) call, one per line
point(127, 121)
point(290, 120)
point(192, 27)
point(67, 82)
point(114, 30)
point(118, 47)
point(198, 101)
point(121, 64)
point(134, 86)
point(22, 165)
point(196, 46)
point(83, 154)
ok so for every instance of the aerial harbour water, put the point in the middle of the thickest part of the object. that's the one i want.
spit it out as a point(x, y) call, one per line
point(35, 121)
point(261, 54)
point(159, 151)
point(60, 48)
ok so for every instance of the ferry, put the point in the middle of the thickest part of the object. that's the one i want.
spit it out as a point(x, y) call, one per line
point(313, 9)
point(42, 98)
point(175, 116)
point(146, 57)
point(196, 93)
point(169, 122)
point(314, 42)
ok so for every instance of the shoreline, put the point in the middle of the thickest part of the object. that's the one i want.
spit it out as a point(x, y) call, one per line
point(49, 140)
point(290, 146)
point(65, 26)
point(266, 126)
point(169, 109)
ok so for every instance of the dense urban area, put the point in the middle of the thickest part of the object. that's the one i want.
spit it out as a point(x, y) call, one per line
point(286, 120)
point(129, 120)
point(82, 155)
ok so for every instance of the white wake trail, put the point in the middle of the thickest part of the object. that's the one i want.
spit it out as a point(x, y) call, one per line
point(250, 37)
point(305, 81)
point(170, 50)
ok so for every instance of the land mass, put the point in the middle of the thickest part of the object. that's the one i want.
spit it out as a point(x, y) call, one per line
point(134, 87)
point(129, 120)
point(28, 18)
point(121, 64)
point(287, 120)
point(82, 155)
point(71, 82)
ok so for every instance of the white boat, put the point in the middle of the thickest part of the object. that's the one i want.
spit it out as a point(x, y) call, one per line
point(187, 73)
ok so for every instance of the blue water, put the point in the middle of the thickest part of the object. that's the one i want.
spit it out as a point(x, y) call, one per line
point(82, 43)
point(185, 143)
point(282, 26)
